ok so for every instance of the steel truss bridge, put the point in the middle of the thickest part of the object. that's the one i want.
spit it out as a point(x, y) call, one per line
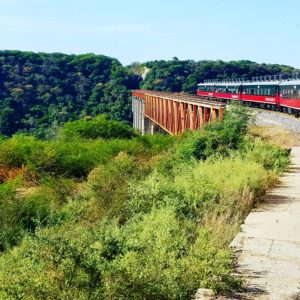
point(172, 112)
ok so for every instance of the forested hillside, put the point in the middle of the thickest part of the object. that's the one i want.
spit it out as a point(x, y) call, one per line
point(176, 75)
point(40, 91)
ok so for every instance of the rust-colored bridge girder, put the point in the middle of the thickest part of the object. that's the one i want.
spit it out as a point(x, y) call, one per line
point(176, 112)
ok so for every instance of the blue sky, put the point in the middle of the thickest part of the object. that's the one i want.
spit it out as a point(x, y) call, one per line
point(259, 30)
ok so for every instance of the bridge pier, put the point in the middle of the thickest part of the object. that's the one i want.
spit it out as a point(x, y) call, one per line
point(151, 127)
point(138, 110)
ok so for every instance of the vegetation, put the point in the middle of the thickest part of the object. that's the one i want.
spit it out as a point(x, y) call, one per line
point(39, 92)
point(103, 213)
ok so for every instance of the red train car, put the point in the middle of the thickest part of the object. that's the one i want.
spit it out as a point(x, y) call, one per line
point(289, 96)
point(206, 90)
point(276, 95)
point(266, 94)
point(229, 91)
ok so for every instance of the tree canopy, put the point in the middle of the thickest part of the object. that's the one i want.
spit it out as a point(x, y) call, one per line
point(40, 91)
point(183, 75)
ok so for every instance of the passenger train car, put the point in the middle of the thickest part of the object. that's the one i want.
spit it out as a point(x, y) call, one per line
point(276, 95)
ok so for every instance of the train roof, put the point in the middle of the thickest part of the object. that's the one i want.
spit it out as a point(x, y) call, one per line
point(206, 84)
point(261, 83)
point(220, 84)
point(290, 82)
point(252, 83)
point(244, 83)
point(228, 83)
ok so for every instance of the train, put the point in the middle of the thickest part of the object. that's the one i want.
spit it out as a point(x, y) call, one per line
point(279, 95)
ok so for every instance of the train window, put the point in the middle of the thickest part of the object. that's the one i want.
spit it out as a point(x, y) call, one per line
point(231, 90)
point(234, 90)
point(205, 88)
point(222, 89)
point(267, 90)
point(290, 92)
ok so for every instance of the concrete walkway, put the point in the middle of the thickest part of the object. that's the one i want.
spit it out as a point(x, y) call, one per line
point(268, 247)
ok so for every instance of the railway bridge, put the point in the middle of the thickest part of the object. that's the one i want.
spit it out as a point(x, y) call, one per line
point(172, 112)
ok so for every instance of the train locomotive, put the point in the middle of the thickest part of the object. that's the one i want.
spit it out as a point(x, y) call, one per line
point(280, 95)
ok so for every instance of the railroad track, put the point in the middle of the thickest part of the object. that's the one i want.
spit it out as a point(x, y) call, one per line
point(280, 113)
point(264, 117)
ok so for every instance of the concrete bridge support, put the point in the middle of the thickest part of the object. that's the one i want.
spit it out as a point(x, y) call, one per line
point(138, 110)
point(152, 128)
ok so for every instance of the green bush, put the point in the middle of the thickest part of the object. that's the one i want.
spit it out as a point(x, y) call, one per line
point(73, 158)
point(271, 157)
point(217, 138)
point(108, 184)
point(213, 188)
point(208, 264)
point(151, 257)
point(20, 150)
point(151, 266)
point(11, 230)
point(23, 211)
point(98, 127)
point(156, 142)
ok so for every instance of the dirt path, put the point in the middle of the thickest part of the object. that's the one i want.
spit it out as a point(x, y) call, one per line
point(268, 247)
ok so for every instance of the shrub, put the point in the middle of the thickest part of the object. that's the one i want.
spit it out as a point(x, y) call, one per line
point(11, 230)
point(271, 157)
point(109, 183)
point(156, 142)
point(217, 138)
point(23, 214)
point(208, 264)
point(217, 184)
point(151, 266)
point(151, 257)
point(20, 150)
point(98, 127)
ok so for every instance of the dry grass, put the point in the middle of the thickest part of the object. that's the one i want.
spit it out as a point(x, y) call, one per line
point(275, 135)
point(25, 191)
point(9, 173)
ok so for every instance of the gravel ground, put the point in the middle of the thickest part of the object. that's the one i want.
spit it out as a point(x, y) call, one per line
point(288, 122)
